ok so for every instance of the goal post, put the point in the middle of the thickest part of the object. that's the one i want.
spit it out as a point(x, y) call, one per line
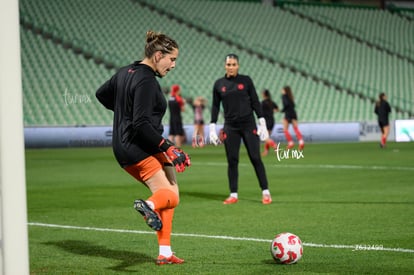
point(14, 256)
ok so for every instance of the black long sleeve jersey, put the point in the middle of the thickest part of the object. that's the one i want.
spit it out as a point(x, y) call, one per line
point(382, 110)
point(239, 99)
point(135, 97)
point(175, 110)
point(268, 107)
point(288, 107)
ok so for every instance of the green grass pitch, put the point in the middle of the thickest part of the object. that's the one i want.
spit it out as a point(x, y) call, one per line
point(352, 205)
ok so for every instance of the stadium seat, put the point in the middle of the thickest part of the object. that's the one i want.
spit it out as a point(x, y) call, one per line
point(79, 44)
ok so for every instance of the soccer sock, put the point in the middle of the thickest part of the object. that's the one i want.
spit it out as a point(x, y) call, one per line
point(265, 192)
point(150, 204)
point(165, 250)
point(383, 140)
point(266, 146)
point(234, 195)
point(272, 143)
point(164, 198)
point(164, 235)
point(298, 133)
point(287, 135)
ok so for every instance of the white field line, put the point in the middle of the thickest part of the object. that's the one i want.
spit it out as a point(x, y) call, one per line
point(338, 246)
point(320, 166)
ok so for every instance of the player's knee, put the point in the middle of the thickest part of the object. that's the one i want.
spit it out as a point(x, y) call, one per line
point(256, 160)
point(232, 161)
point(171, 197)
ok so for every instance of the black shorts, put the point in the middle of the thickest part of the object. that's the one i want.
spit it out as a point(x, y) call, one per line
point(270, 125)
point(199, 122)
point(289, 116)
point(176, 129)
point(383, 124)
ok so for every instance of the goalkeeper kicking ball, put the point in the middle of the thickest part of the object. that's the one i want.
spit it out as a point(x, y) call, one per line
point(286, 248)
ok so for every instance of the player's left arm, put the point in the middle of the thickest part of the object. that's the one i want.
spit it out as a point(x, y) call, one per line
point(106, 94)
point(257, 107)
point(254, 99)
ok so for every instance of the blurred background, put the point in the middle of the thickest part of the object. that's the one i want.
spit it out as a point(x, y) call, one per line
point(336, 55)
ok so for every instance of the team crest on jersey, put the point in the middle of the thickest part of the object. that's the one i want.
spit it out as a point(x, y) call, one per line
point(223, 89)
point(240, 86)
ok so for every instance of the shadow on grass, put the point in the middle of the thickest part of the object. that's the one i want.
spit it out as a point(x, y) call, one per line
point(218, 197)
point(203, 195)
point(348, 202)
point(221, 197)
point(127, 258)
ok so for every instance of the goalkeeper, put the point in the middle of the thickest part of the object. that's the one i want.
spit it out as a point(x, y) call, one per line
point(136, 99)
point(239, 98)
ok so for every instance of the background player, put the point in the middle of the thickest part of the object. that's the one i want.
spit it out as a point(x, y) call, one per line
point(176, 105)
point(290, 117)
point(198, 104)
point(268, 107)
point(239, 98)
point(135, 97)
point(383, 109)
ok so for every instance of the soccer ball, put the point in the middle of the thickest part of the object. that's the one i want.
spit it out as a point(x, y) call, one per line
point(286, 248)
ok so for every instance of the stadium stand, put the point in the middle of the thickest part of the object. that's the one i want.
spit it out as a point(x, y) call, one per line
point(312, 48)
point(377, 28)
point(67, 52)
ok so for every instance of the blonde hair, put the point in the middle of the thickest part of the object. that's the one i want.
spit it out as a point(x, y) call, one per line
point(156, 41)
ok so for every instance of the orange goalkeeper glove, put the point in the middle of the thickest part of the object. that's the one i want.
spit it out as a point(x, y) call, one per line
point(177, 156)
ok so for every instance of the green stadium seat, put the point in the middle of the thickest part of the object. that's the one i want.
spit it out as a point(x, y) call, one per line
point(274, 33)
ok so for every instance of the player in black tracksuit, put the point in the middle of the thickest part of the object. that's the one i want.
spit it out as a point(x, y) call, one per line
point(383, 109)
point(238, 96)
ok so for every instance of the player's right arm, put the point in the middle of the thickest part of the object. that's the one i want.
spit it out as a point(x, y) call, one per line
point(215, 107)
point(144, 98)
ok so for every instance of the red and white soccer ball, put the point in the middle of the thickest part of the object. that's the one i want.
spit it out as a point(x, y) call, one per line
point(286, 248)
